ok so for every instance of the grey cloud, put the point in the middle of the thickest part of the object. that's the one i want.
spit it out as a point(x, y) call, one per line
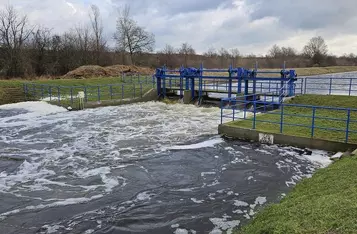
point(305, 14)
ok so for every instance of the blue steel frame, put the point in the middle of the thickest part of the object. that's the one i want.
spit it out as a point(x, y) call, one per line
point(188, 76)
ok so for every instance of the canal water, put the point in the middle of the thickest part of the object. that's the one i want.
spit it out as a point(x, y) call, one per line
point(141, 168)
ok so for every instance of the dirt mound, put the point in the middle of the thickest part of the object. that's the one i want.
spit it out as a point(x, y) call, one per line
point(115, 70)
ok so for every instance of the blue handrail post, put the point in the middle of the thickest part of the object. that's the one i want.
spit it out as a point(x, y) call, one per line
point(200, 81)
point(240, 73)
point(230, 81)
point(182, 70)
point(329, 91)
point(313, 122)
point(302, 84)
point(305, 85)
point(221, 111)
point(246, 82)
point(281, 117)
point(349, 90)
point(291, 83)
point(255, 113)
point(164, 81)
point(348, 124)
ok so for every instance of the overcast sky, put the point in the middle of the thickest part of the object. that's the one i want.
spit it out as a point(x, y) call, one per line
point(252, 26)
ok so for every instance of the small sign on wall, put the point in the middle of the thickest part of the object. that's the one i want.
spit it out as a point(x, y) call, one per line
point(266, 138)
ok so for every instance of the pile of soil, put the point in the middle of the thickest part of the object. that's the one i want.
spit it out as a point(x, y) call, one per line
point(115, 70)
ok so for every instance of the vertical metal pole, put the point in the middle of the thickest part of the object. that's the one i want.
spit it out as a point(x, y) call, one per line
point(302, 84)
point(230, 81)
point(349, 90)
point(122, 91)
point(281, 117)
point(329, 92)
point(221, 111)
point(59, 94)
point(42, 92)
point(98, 93)
point(269, 85)
point(348, 124)
point(305, 85)
point(313, 122)
point(134, 90)
point(111, 92)
point(255, 113)
point(72, 96)
point(141, 90)
point(85, 94)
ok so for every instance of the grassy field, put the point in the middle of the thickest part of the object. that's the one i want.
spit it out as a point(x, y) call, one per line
point(305, 119)
point(326, 203)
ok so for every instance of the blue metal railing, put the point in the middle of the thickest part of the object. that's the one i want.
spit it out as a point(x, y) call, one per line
point(92, 93)
point(279, 115)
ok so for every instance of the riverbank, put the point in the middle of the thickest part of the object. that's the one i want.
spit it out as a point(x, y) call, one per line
point(324, 203)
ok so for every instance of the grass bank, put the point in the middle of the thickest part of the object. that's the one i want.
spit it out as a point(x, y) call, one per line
point(302, 116)
point(326, 203)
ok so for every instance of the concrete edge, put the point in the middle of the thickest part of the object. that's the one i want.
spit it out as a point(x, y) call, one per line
point(281, 139)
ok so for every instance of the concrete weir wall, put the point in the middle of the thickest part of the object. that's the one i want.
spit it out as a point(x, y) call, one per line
point(281, 139)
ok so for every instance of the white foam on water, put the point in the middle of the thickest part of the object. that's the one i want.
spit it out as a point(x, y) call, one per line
point(175, 225)
point(181, 231)
point(204, 144)
point(222, 224)
point(197, 201)
point(208, 173)
point(144, 196)
point(240, 203)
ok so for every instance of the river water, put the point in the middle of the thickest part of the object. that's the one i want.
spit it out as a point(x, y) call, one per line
point(141, 168)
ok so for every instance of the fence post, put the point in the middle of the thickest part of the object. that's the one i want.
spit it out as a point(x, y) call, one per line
point(281, 117)
point(329, 92)
point(122, 91)
point(221, 111)
point(141, 90)
point(349, 91)
point(134, 90)
point(313, 122)
point(72, 96)
point(348, 124)
point(111, 92)
point(42, 92)
point(85, 94)
point(305, 86)
point(302, 84)
point(59, 94)
point(255, 113)
point(98, 93)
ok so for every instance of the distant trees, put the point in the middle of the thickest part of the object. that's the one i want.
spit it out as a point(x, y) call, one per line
point(169, 55)
point(186, 50)
point(15, 31)
point(97, 31)
point(316, 50)
point(130, 37)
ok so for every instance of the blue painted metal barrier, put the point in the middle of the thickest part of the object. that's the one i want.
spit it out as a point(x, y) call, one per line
point(278, 115)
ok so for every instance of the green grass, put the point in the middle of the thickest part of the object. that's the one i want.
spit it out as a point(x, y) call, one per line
point(316, 100)
point(323, 204)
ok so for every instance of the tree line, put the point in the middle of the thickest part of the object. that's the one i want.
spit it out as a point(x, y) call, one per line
point(31, 50)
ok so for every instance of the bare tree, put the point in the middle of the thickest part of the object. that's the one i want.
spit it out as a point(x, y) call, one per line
point(224, 56)
point(14, 33)
point(316, 50)
point(275, 52)
point(235, 54)
point(41, 45)
point(186, 50)
point(83, 41)
point(211, 53)
point(169, 55)
point(130, 37)
point(97, 30)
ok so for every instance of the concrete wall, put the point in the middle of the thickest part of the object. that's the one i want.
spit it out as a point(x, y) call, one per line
point(281, 139)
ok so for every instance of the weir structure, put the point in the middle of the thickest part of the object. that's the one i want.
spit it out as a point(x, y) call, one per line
point(238, 81)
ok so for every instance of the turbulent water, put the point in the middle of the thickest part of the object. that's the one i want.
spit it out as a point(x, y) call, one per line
point(141, 168)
